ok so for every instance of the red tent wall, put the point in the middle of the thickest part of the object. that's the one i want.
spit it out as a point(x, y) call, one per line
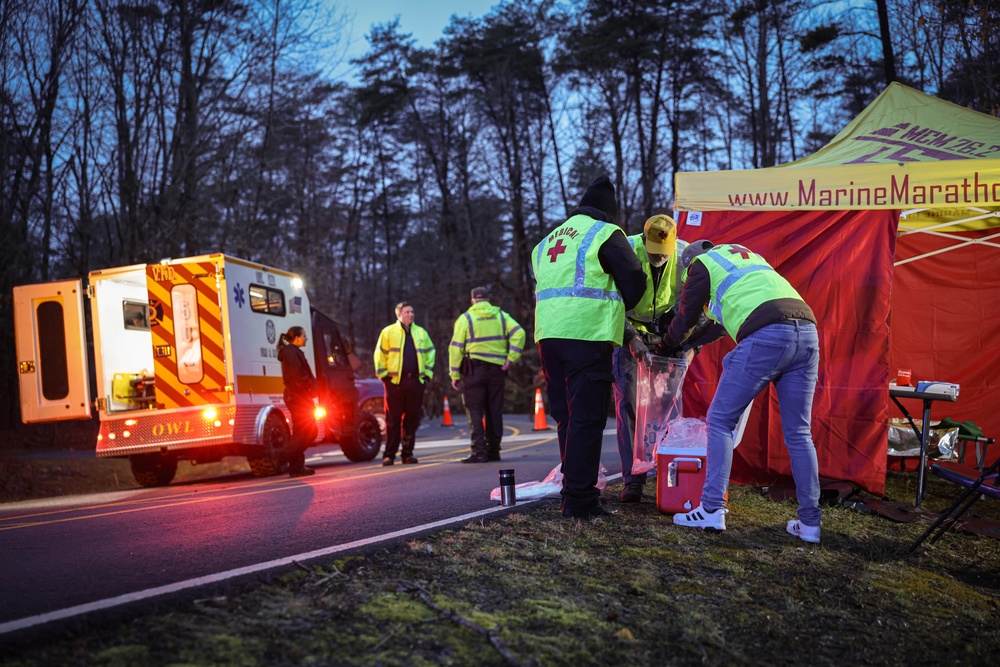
point(946, 326)
point(841, 262)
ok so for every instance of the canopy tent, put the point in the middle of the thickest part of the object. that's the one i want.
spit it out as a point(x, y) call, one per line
point(911, 178)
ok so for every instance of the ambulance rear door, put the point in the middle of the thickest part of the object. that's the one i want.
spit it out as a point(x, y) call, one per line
point(186, 323)
point(50, 336)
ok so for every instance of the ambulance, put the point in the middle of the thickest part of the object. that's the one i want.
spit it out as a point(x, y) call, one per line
point(186, 364)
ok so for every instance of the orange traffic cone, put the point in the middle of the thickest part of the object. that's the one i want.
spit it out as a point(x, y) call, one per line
point(540, 423)
point(446, 416)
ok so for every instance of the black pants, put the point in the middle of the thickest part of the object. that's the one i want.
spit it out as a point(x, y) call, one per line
point(482, 392)
point(579, 379)
point(403, 403)
point(304, 429)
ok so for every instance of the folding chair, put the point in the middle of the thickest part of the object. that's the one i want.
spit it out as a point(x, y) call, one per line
point(976, 483)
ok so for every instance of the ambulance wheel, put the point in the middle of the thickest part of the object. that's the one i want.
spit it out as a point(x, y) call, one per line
point(366, 442)
point(268, 459)
point(153, 469)
point(376, 406)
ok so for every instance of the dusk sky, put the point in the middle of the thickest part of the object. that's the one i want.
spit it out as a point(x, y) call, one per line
point(424, 19)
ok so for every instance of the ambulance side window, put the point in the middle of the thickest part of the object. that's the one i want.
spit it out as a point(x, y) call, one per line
point(267, 300)
point(54, 366)
point(187, 333)
point(136, 315)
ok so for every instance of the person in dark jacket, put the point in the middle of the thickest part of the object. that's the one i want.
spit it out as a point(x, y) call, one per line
point(587, 276)
point(300, 390)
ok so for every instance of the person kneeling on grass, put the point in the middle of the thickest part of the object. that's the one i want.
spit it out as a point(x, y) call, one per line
point(776, 341)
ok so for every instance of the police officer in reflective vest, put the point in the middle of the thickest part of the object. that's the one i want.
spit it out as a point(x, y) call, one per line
point(485, 342)
point(776, 341)
point(586, 276)
point(656, 248)
point(404, 361)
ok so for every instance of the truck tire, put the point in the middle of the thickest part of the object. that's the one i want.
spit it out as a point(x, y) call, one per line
point(153, 469)
point(365, 444)
point(376, 406)
point(269, 458)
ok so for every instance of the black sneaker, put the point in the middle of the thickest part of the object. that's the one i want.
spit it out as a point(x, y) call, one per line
point(475, 459)
point(593, 512)
point(632, 493)
point(301, 472)
point(388, 461)
point(492, 456)
point(410, 459)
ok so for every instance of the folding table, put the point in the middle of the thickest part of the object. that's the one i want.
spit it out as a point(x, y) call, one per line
point(928, 397)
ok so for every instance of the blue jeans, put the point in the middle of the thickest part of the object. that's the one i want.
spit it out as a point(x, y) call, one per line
point(786, 354)
point(625, 368)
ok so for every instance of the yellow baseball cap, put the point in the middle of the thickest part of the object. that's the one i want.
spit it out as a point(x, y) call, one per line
point(660, 233)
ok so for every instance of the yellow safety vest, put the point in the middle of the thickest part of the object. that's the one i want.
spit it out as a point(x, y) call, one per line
point(486, 333)
point(741, 281)
point(654, 303)
point(574, 297)
point(389, 352)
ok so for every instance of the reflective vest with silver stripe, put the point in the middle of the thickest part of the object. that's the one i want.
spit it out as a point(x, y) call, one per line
point(574, 297)
point(655, 303)
point(741, 281)
point(486, 333)
point(389, 352)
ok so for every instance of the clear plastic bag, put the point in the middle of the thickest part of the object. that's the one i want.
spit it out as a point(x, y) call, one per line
point(693, 433)
point(550, 486)
point(685, 433)
point(659, 381)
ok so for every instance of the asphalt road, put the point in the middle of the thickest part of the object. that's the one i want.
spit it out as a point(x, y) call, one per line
point(65, 556)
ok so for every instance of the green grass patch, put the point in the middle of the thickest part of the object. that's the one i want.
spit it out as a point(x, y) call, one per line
point(533, 588)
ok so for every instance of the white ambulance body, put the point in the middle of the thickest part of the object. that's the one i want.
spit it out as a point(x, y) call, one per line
point(185, 354)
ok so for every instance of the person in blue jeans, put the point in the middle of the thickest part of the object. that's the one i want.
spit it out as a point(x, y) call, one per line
point(656, 249)
point(776, 342)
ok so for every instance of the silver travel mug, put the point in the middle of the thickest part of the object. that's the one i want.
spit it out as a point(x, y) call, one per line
point(507, 495)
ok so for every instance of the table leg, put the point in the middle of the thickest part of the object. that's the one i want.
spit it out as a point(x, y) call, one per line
point(925, 430)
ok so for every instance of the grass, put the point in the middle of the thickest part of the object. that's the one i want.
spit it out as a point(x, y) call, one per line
point(532, 588)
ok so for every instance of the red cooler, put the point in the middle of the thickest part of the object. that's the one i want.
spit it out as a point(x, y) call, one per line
point(679, 478)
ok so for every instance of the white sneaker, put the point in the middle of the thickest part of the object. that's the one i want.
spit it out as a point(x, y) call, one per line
point(699, 517)
point(803, 532)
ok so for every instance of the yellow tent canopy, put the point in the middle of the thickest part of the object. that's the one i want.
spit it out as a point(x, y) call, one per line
point(934, 161)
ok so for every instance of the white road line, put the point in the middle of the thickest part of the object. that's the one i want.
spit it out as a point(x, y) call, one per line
point(69, 612)
point(109, 603)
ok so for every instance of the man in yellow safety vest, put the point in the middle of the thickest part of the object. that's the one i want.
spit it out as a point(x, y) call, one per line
point(586, 276)
point(485, 342)
point(404, 361)
point(657, 249)
point(776, 341)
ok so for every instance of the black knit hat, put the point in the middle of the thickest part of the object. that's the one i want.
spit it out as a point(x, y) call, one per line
point(601, 195)
point(481, 293)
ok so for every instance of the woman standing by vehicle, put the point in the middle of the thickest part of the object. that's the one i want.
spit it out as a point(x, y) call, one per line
point(300, 389)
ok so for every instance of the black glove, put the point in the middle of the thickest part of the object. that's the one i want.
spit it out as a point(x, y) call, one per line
point(669, 351)
point(664, 320)
point(638, 348)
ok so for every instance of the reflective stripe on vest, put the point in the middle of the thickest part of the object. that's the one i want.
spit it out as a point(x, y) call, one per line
point(658, 299)
point(576, 299)
point(733, 299)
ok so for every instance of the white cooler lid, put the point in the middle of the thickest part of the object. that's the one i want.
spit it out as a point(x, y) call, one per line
point(682, 451)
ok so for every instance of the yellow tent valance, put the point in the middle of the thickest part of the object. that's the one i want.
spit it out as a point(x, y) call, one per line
point(935, 161)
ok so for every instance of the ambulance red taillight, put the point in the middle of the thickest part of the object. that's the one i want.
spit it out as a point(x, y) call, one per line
point(319, 412)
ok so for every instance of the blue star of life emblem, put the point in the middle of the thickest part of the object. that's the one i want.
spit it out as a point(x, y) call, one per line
point(238, 294)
